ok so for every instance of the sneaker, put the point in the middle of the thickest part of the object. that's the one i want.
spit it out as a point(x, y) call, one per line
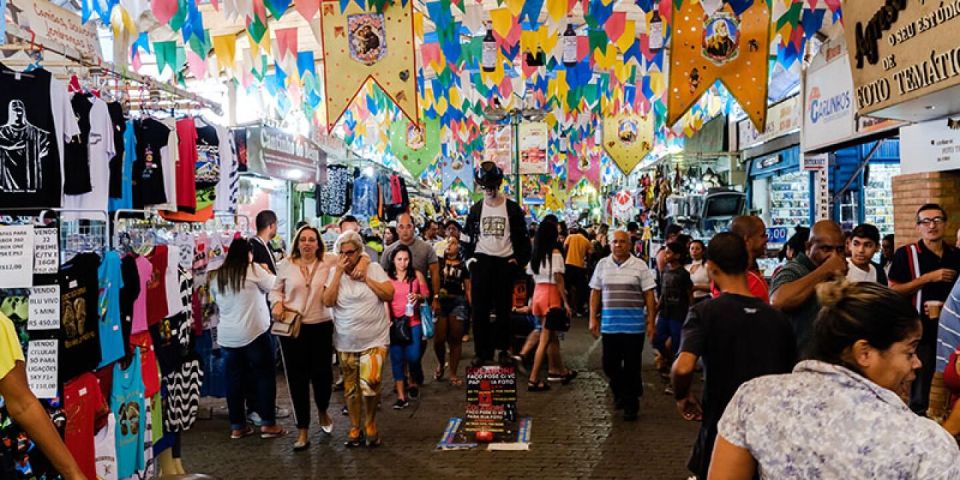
point(668, 390)
point(413, 393)
point(344, 411)
point(283, 412)
point(400, 404)
point(254, 418)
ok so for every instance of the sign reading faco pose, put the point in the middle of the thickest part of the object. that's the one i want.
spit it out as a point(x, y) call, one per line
point(903, 50)
point(491, 401)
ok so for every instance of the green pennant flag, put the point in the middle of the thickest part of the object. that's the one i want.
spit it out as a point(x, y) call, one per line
point(176, 22)
point(256, 28)
point(166, 53)
point(598, 40)
point(416, 149)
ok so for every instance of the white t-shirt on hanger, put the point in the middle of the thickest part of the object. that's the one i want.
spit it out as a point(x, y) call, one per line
point(101, 149)
point(169, 155)
point(63, 118)
point(105, 448)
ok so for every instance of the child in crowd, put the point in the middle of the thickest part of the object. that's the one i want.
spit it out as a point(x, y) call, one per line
point(675, 299)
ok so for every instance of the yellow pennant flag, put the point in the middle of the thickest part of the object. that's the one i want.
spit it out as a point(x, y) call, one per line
point(515, 7)
point(627, 138)
point(720, 46)
point(225, 49)
point(556, 9)
point(629, 35)
point(361, 44)
point(502, 21)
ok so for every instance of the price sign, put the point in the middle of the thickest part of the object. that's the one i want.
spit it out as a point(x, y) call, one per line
point(777, 234)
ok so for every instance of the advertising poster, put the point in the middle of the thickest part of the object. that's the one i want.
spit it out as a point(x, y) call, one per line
point(498, 143)
point(533, 148)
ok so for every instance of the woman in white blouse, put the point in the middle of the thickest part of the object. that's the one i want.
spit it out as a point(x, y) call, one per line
point(307, 358)
point(840, 414)
point(698, 272)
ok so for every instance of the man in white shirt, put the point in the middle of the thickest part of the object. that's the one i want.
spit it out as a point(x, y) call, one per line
point(499, 247)
point(863, 245)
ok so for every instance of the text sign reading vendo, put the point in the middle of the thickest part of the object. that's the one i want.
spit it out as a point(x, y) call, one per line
point(901, 49)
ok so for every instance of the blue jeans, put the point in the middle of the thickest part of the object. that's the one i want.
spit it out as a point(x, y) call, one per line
point(668, 328)
point(253, 363)
point(409, 356)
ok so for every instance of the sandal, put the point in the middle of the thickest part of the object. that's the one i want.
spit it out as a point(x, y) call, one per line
point(566, 379)
point(540, 386)
point(243, 433)
point(354, 442)
point(456, 381)
point(438, 374)
point(269, 435)
point(374, 441)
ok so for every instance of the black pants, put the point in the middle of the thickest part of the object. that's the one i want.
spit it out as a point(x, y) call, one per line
point(491, 284)
point(251, 367)
point(576, 283)
point(622, 361)
point(927, 352)
point(307, 361)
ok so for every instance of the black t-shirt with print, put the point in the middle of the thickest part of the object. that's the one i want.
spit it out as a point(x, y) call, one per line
point(116, 163)
point(676, 293)
point(152, 136)
point(76, 155)
point(453, 278)
point(208, 164)
point(79, 320)
point(29, 155)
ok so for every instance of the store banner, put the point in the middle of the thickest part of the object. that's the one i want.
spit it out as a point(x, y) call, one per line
point(901, 51)
point(363, 43)
point(533, 148)
point(929, 147)
point(829, 117)
point(627, 139)
point(782, 119)
point(60, 25)
point(498, 147)
point(416, 146)
point(724, 46)
point(278, 154)
point(814, 163)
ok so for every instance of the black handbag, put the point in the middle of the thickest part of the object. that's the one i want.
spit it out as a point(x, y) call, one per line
point(557, 320)
point(400, 333)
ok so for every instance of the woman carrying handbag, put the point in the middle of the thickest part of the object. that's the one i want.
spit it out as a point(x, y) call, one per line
point(307, 353)
point(406, 332)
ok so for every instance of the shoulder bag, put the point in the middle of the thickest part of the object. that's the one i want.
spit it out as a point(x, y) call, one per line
point(400, 331)
point(426, 317)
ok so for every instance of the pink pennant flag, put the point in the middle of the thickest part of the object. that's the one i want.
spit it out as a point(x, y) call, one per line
point(307, 8)
point(286, 41)
point(215, 3)
point(197, 65)
point(615, 25)
point(164, 10)
point(135, 62)
point(506, 87)
point(430, 53)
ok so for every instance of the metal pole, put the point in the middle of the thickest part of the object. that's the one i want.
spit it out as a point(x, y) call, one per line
point(515, 120)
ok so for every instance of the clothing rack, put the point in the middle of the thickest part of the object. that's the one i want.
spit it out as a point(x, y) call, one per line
point(140, 230)
point(103, 68)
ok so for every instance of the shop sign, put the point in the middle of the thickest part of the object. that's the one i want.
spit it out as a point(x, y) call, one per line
point(278, 154)
point(60, 25)
point(777, 234)
point(814, 163)
point(929, 147)
point(901, 50)
point(782, 118)
point(769, 161)
point(829, 116)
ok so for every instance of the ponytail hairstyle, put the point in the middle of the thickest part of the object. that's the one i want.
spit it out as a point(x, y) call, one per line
point(859, 311)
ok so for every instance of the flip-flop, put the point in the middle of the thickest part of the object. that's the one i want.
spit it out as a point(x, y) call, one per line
point(456, 381)
point(243, 434)
point(269, 435)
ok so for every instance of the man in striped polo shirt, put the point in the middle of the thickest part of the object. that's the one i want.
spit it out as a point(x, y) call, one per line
point(622, 285)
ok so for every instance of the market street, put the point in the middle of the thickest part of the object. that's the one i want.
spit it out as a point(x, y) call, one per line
point(576, 434)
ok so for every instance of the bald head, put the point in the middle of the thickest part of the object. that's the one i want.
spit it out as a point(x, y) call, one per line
point(753, 231)
point(826, 237)
point(405, 228)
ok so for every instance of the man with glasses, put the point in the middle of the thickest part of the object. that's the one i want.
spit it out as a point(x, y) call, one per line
point(925, 271)
point(794, 288)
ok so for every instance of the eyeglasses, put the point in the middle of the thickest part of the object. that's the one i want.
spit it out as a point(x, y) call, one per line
point(347, 252)
point(929, 222)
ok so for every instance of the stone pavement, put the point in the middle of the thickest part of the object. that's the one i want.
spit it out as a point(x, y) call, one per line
point(575, 434)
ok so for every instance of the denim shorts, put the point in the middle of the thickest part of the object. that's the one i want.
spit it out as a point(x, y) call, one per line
point(455, 306)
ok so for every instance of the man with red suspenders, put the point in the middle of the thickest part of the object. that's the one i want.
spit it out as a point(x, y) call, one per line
point(925, 271)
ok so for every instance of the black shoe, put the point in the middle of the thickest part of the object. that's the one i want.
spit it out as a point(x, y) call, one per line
point(540, 386)
point(400, 404)
point(630, 416)
point(354, 442)
point(344, 411)
point(413, 393)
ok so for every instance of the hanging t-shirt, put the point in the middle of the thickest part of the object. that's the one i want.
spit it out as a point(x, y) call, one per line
point(119, 124)
point(186, 165)
point(127, 404)
point(172, 281)
point(334, 196)
point(169, 155)
point(240, 148)
point(208, 165)
point(229, 184)
point(99, 151)
point(105, 450)
point(76, 158)
point(125, 200)
point(111, 333)
point(144, 273)
point(157, 286)
point(79, 318)
point(150, 370)
point(182, 402)
point(35, 119)
point(148, 186)
point(82, 402)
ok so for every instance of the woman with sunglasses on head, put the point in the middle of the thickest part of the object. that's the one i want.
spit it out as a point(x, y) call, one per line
point(307, 358)
point(362, 335)
point(840, 414)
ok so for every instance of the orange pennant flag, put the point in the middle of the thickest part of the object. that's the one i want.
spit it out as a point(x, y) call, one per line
point(719, 46)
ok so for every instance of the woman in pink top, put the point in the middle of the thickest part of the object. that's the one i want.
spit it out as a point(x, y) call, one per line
point(410, 288)
point(307, 358)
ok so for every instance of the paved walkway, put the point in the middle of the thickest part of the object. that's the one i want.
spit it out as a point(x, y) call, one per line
point(575, 434)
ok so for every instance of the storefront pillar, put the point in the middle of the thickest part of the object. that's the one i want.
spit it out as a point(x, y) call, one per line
point(914, 190)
